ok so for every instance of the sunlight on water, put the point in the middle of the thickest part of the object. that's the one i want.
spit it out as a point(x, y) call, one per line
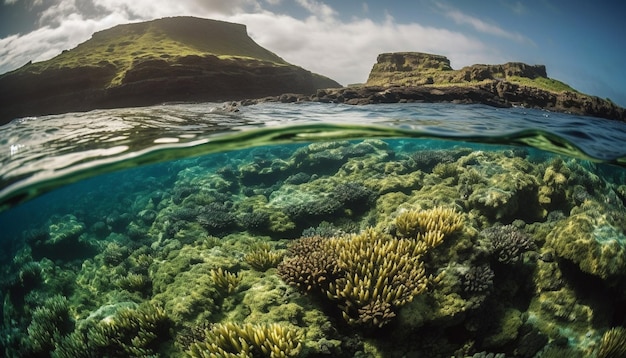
point(312, 230)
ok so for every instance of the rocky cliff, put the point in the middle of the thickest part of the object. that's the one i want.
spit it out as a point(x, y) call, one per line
point(420, 77)
point(508, 84)
point(171, 59)
point(416, 68)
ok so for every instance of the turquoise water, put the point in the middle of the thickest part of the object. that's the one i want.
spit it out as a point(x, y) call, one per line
point(431, 230)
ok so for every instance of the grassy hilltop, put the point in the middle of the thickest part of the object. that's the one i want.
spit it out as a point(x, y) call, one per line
point(166, 39)
point(417, 68)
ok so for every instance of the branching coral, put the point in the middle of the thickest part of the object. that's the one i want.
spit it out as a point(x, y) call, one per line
point(128, 333)
point(382, 273)
point(478, 279)
point(370, 274)
point(613, 344)
point(311, 265)
point(263, 257)
point(247, 340)
point(225, 281)
point(411, 223)
point(217, 218)
point(507, 243)
point(135, 282)
point(49, 324)
point(353, 196)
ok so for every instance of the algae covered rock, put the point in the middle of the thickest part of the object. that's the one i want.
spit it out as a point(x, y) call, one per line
point(64, 241)
point(592, 240)
point(510, 191)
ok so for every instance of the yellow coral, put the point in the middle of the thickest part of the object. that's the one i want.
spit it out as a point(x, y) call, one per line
point(225, 281)
point(247, 340)
point(613, 344)
point(263, 257)
point(381, 273)
point(371, 274)
point(411, 223)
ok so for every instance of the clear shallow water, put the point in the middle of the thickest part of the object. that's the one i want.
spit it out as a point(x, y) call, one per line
point(39, 154)
point(184, 216)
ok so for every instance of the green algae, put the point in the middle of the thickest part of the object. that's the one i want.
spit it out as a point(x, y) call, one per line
point(161, 253)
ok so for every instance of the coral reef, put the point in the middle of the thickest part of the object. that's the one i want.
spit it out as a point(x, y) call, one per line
point(311, 264)
point(346, 248)
point(412, 223)
point(381, 274)
point(370, 274)
point(593, 238)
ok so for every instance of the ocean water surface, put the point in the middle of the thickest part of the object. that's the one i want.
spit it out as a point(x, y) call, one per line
point(313, 230)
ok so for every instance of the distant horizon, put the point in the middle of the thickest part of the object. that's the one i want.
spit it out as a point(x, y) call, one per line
point(578, 42)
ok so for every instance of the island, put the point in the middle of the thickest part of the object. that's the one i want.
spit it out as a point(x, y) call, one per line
point(166, 60)
point(189, 59)
point(421, 77)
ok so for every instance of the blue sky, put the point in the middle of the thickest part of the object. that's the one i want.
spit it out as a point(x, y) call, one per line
point(582, 43)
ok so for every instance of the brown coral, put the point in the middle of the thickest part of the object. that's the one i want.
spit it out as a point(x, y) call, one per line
point(311, 264)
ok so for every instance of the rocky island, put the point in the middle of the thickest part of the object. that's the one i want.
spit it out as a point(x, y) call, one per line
point(421, 77)
point(188, 59)
point(165, 60)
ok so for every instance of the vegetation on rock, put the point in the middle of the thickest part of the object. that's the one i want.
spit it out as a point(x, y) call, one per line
point(170, 59)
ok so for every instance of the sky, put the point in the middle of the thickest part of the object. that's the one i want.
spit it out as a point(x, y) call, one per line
point(581, 42)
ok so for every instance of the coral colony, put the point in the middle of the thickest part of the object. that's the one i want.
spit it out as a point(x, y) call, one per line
point(349, 248)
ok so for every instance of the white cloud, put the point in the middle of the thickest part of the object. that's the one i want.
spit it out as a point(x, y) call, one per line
point(342, 50)
point(58, 13)
point(482, 26)
point(47, 42)
point(518, 8)
point(317, 8)
point(346, 51)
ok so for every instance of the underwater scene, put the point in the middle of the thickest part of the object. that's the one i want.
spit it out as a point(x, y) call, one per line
point(313, 230)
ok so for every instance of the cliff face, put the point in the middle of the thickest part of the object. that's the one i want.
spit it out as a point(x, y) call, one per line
point(407, 68)
point(417, 68)
point(512, 83)
point(173, 59)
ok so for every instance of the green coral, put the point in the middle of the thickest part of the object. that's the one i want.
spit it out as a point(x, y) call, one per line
point(506, 331)
point(225, 281)
point(552, 191)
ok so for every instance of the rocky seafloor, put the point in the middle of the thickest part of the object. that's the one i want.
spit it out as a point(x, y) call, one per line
point(372, 248)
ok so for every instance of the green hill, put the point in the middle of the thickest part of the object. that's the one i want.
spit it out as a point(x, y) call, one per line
point(170, 59)
point(165, 39)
